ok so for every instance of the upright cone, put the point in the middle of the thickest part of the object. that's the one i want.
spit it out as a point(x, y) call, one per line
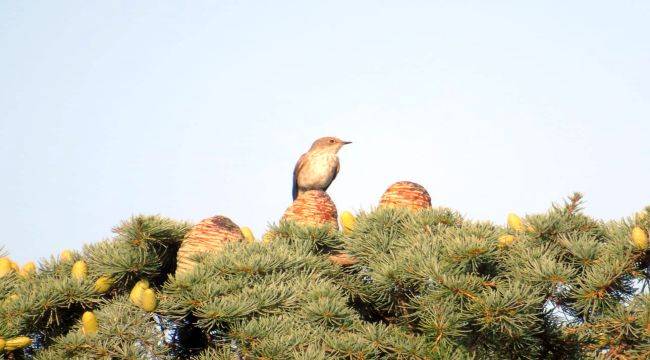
point(248, 234)
point(148, 301)
point(5, 266)
point(138, 289)
point(515, 222)
point(103, 284)
point(66, 256)
point(209, 235)
point(28, 269)
point(79, 270)
point(89, 323)
point(639, 238)
point(406, 194)
point(347, 222)
point(312, 208)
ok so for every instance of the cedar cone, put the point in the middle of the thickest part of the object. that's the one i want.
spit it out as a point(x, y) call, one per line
point(313, 208)
point(406, 194)
point(209, 235)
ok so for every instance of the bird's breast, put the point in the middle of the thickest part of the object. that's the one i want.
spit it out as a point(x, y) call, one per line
point(318, 171)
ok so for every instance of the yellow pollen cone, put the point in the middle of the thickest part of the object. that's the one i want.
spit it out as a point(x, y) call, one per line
point(506, 240)
point(268, 236)
point(148, 301)
point(28, 269)
point(136, 292)
point(89, 322)
point(347, 222)
point(2, 344)
point(515, 223)
point(136, 295)
point(5, 266)
point(103, 284)
point(79, 270)
point(66, 256)
point(248, 234)
point(639, 238)
point(18, 342)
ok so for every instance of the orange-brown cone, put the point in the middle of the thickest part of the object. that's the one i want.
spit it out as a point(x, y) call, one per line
point(406, 194)
point(313, 208)
point(209, 235)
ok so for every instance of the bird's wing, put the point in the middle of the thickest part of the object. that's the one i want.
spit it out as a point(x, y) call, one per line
point(301, 162)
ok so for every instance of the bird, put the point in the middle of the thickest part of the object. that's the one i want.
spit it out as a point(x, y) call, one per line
point(318, 167)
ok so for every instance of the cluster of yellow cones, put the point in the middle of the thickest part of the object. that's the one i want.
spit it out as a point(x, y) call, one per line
point(516, 224)
point(8, 266)
point(638, 236)
point(79, 272)
point(143, 296)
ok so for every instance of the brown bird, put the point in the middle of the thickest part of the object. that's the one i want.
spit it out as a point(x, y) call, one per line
point(318, 167)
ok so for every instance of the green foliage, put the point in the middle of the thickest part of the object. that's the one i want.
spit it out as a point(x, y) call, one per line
point(424, 285)
point(144, 247)
point(125, 332)
point(51, 302)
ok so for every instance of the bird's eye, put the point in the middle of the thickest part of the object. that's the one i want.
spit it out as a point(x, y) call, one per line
point(331, 141)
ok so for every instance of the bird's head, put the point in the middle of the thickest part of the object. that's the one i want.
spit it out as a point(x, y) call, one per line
point(328, 143)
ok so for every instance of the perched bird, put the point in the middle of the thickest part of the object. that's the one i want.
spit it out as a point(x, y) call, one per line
point(317, 168)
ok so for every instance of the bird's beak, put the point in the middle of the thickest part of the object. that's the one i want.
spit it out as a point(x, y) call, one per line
point(346, 142)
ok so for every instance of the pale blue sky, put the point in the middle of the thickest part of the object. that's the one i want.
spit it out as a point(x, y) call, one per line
point(114, 108)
